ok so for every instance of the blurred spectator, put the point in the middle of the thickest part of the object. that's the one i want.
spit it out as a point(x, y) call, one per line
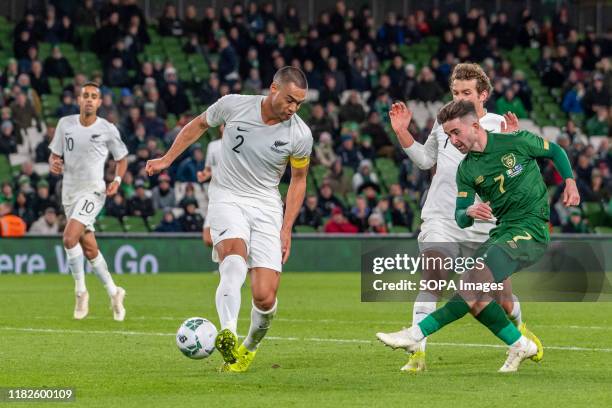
point(597, 190)
point(154, 125)
point(107, 35)
point(327, 200)
point(46, 224)
point(23, 113)
point(163, 194)
point(339, 180)
point(8, 144)
point(188, 168)
point(598, 124)
point(596, 95)
point(169, 23)
point(427, 88)
point(68, 106)
point(7, 194)
point(352, 110)
point(140, 205)
point(376, 224)
point(401, 214)
point(116, 206)
point(11, 225)
point(339, 224)
point(108, 108)
point(348, 153)
point(86, 14)
point(191, 221)
point(228, 61)
point(380, 139)
point(510, 103)
point(22, 44)
point(575, 224)
point(23, 209)
point(324, 150)
point(319, 121)
point(572, 101)
point(117, 74)
point(364, 176)
point(310, 213)
point(57, 66)
point(42, 200)
point(175, 99)
point(365, 147)
point(360, 214)
point(39, 80)
point(168, 223)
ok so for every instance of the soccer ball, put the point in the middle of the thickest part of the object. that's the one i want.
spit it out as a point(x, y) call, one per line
point(196, 338)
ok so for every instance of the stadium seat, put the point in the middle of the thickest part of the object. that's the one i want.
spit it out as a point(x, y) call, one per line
point(397, 229)
point(551, 133)
point(110, 224)
point(153, 221)
point(5, 168)
point(135, 224)
point(304, 229)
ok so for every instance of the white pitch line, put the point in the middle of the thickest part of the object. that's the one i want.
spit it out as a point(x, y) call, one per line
point(281, 319)
point(306, 339)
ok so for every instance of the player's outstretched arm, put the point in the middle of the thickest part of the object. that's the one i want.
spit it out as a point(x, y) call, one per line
point(293, 204)
point(424, 156)
point(188, 135)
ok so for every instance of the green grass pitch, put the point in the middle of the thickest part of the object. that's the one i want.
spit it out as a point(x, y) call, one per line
point(321, 350)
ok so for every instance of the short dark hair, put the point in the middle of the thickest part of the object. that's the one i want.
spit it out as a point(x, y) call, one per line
point(289, 74)
point(456, 109)
point(91, 83)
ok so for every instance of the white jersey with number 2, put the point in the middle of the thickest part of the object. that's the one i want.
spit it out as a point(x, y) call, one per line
point(254, 155)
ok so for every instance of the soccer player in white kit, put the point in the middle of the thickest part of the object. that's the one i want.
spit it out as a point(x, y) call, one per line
point(249, 232)
point(79, 150)
point(213, 157)
point(440, 235)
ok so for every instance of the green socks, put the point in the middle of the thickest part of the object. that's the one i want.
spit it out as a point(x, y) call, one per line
point(453, 310)
point(492, 316)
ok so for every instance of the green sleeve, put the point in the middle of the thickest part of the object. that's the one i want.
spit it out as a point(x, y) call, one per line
point(465, 198)
point(536, 146)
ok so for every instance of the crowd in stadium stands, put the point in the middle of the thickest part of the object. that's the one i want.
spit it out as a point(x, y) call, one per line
point(361, 181)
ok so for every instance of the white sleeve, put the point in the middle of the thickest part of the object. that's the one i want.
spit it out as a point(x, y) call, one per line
point(208, 158)
point(425, 155)
point(116, 145)
point(57, 143)
point(219, 112)
point(302, 148)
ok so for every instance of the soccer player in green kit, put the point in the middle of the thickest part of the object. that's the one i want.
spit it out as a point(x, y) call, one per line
point(502, 170)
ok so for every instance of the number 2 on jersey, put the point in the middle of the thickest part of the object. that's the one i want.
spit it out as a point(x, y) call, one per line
point(500, 178)
point(235, 148)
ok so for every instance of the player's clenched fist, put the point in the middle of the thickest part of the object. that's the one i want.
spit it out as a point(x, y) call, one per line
point(480, 211)
point(155, 166)
point(56, 164)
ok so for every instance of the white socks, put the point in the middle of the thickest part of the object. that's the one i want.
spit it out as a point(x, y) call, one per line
point(515, 317)
point(424, 304)
point(100, 268)
point(233, 271)
point(75, 264)
point(260, 323)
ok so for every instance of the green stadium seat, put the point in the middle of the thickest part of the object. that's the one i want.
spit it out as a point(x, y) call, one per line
point(135, 224)
point(603, 230)
point(304, 229)
point(399, 229)
point(154, 220)
point(282, 189)
point(110, 224)
point(5, 168)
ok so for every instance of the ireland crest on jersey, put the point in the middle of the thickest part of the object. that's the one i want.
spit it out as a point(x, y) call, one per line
point(509, 160)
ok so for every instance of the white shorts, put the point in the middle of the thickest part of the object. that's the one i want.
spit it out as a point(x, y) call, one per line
point(86, 209)
point(258, 228)
point(447, 237)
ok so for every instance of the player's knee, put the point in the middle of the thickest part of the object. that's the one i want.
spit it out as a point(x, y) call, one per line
point(70, 241)
point(265, 301)
point(90, 253)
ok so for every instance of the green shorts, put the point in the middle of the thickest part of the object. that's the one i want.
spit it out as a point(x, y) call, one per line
point(512, 247)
